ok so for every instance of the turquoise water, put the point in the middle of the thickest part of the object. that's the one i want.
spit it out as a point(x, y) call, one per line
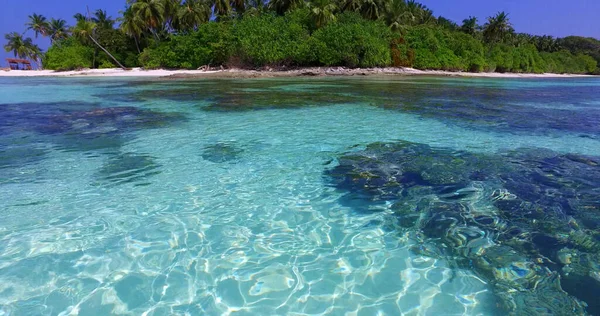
point(210, 197)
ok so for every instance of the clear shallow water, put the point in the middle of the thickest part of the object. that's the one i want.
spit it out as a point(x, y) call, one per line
point(128, 196)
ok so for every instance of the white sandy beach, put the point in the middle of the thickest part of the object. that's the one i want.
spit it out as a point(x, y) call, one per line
point(241, 73)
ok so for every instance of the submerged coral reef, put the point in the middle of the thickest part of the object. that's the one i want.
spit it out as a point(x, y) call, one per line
point(527, 220)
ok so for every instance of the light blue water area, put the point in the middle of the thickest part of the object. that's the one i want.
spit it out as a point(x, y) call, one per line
point(208, 197)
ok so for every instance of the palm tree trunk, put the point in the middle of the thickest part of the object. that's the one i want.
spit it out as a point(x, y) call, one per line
point(111, 56)
point(136, 44)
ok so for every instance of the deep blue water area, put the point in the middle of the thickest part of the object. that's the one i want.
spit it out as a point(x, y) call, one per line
point(337, 196)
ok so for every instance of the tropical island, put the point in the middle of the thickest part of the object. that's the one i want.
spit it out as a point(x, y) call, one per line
point(283, 34)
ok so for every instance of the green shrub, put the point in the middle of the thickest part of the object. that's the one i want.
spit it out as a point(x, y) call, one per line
point(565, 62)
point(353, 42)
point(272, 40)
point(68, 54)
point(501, 57)
point(439, 48)
point(106, 64)
point(211, 44)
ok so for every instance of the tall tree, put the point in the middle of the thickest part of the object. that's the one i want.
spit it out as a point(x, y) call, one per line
point(371, 9)
point(221, 8)
point(79, 17)
point(322, 12)
point(16, 44)
point(469, 26)
point(83, 30)
point(498, 28)
point(239, 6)
point(191, 14)
point(151, 12)
point(447, 24)
point(283, 6)
point(102, 19)
point(58, 29)
point(22, 47)
point(132, 25)
point(38, 24)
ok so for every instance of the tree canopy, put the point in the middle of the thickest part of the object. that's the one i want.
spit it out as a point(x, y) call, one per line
point(166, 33)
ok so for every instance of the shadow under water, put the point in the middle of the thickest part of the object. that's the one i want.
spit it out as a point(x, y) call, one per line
point(81, 126)
point(527, 221)
point(128, 168)
point(222, 152)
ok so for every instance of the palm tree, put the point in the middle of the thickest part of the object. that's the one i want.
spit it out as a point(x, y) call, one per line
point(16, 44)
point(79, 17)
point(239, 6)
point(497, 28)
point(370, 9)
point(38, 24)
point(58, 29)
point(395, 14)
point(469, 25)
point(102, 19)
point(132, 25)
point(22, 48)
point(191, 14)
point(322, 12)
point(222, 8)
point(255, 7)
point(83, 30)
point(283, 6)
point(151, 12)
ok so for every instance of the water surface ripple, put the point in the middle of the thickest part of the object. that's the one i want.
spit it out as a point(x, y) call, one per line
point(214, 197)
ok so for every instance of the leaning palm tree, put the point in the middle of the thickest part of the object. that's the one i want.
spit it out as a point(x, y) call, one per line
point(322, 12)
point(38, 24)
point(83, 30)
point(191, 14)
point(497, 28)
point(57, 29)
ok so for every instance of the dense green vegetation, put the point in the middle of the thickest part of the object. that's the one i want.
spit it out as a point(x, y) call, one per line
point(278, 33)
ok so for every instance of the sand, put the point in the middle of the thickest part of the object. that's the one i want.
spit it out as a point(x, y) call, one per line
point(267, 73)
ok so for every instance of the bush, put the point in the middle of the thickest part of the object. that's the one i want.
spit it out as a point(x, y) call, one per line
point(68, 54)
point(354, 42)
point(272, 40)
point(211, 44)
point(565, 62)
point(439, 48)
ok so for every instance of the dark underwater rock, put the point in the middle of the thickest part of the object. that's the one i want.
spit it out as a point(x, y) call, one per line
point(222, 152)
point(127, 168)
point(506, 216)
point(81, 126)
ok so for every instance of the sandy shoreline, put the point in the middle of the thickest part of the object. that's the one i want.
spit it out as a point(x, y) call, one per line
point(241, 73)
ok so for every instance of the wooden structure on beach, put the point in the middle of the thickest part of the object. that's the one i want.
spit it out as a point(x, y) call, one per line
point(18, 64)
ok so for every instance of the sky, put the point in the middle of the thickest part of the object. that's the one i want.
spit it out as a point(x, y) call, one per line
point(552, 17)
